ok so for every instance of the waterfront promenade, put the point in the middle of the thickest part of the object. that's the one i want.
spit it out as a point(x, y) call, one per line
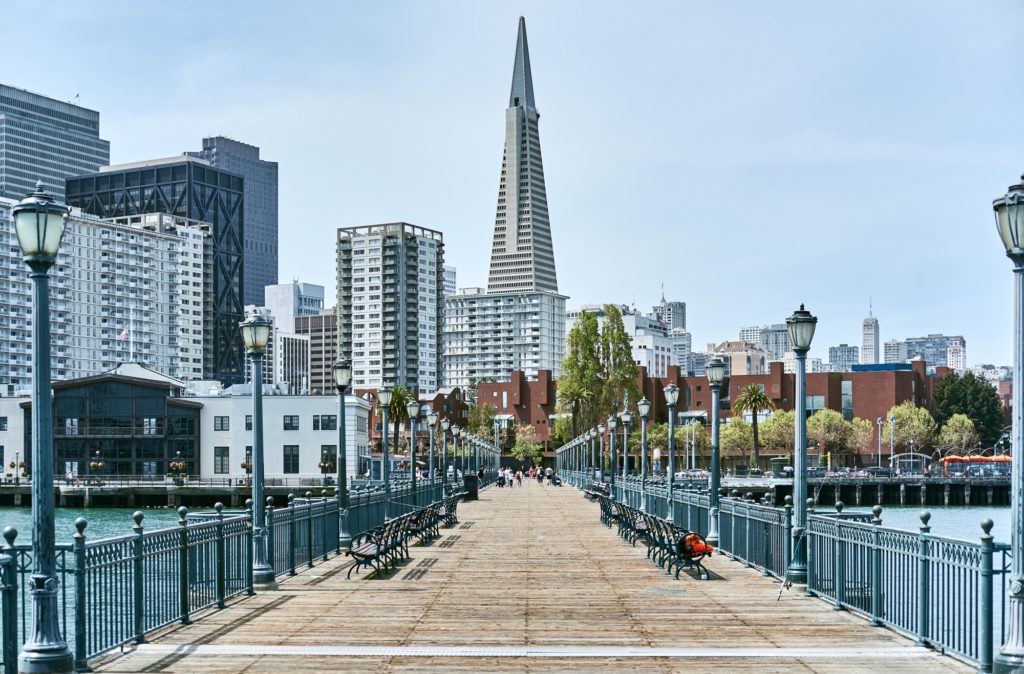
point(529, 581)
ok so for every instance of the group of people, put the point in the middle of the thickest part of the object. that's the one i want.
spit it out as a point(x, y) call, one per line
point(509, 478)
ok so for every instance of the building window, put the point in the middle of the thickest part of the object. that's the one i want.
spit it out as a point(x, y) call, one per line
point(291, 458)
point(248, 422)
point(328, 422)
point(221, 460)
point(222, 423)
point(846, 393)
point(291, 422)
point(3, 423)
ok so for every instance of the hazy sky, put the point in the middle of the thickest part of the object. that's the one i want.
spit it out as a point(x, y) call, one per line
point(749, 156)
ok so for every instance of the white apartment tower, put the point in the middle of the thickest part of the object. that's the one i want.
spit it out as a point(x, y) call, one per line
point(895, 351)
point(956, 354)
point(519, 323)
point(869, 351)
point(390, 304)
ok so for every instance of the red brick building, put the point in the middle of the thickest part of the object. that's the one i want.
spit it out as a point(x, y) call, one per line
point(448, 403)
point(521, 401)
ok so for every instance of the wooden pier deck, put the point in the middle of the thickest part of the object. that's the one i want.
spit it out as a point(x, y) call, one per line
point(529, 581)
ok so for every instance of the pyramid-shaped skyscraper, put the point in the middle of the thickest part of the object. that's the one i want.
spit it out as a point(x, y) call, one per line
point(518, 323)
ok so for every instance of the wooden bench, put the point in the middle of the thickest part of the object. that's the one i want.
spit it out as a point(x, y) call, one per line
point(424, 523)
point(381, 547)
point(448, 507)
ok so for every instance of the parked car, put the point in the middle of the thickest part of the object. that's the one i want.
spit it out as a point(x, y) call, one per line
point(879, 471)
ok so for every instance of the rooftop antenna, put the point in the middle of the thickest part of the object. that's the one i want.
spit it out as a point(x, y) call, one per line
point(870, 308)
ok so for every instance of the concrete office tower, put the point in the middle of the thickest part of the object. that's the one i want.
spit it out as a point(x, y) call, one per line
point(390, 281)
point(773, 339)
point(869, 351)
point(671, 314)
point(519, 323)
point(45, 139)
point(449, 280)
point(185, 187)
point(896, 351)
point(287, 301)
point(322, 331)
point(682, 348)
point(522, 258)
point(842, 358)
point(260, 237)
point(119, 292)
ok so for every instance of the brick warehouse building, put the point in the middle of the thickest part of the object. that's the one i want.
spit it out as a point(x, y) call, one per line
point(867, 393)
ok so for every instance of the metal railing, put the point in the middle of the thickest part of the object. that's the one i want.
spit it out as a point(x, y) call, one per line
point(938, 590)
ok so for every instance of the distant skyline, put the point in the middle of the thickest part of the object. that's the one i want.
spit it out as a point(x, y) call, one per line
point(749, 156)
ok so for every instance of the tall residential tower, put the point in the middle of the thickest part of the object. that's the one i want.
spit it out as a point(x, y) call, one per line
point(519, 323)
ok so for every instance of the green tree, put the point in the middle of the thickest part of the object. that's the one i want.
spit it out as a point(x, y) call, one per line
point(527, 448)
point(830, 432)
point(973, 397)
point(561, 431)
point(913, 423)
point(754, 401)
point(618, 369)
point(579, 385)
point(862, 438)
point(398, 415)
point(958, 435)
point(481, 420)
point(778, 430)
point(736, 438)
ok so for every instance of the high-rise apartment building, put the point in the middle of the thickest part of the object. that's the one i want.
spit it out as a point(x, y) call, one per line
point(773, 339)
point(682, 348)
point(390, 281)
point(287, 301)
point(185, 187)
point(261, 229)
point(842, 358)
point(519, 323)
point(896, 351)
point(120, 291)
point(956, 354)
point(45, 139)
point(322, 330)
point(934, 349)
point(869, 351)
point(449, 280)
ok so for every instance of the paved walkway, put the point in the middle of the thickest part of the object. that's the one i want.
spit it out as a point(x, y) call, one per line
point(529, 581)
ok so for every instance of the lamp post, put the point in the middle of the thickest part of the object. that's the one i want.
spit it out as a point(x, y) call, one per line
point(445, 425)
point(255, 335)
point(1009, 210)
point(97, 464)
point(671, 398)
point(613, 459)
point(600, 462)
point(715, 371)
point(880, 421)
point(412, 408)
point(627, 419)
point(39, 221)
point(342, 378)
point(801, 331)
point(432, 425)
point(593, 453)
point(892, 436)
point(17, 467)
point(644, 407)
point(247, 466)
point(456, 432)
point(384, 400)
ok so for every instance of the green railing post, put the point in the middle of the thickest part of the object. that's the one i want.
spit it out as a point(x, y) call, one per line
point(809, 547)
point(787, 532)
point(183, 565)
point(221, 554)
point(248, 548)
point(876, 566)
point(309, 528)
point(985, 624)
point(137, 574)
point(747, 535)
point(732, 521)
point(922, 580)
point(272, 538)
point(325, 530)
point(839, 560)
point(10, 601)
point(291, 534)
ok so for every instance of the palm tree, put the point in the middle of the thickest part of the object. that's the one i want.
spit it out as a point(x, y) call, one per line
point(754, 400)
point(574, 397)
point(397, 413)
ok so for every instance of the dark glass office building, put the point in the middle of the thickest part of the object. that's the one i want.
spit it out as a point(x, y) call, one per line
point(260, 243)
point(134, 426)
point(191, 188)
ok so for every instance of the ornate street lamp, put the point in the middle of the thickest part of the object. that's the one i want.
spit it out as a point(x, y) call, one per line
point(98, 464)
point(593, 457)
point(715, 371)
point(801, 331)
point(432, 425)
point(384, 400)
point(445, 425)
point(39, 221)
point(644, 407)
point(342, 371)
point(412, 409)
point(247, 466)
point(612, 425)
point(1009, 211)
point(456, 432)
point(177, 464)
point(671, 398)
point(600, 463)
point(255, 336)
point(627, 419)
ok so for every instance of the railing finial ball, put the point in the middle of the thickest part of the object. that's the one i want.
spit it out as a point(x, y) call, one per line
point(10, 533)
point(218, 506)
point(986, 525)
point(839, 506)
point(138, 517)
point(925, 516)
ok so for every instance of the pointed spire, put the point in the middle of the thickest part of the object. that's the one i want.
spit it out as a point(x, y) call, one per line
point(522, 77)
point(870, 307)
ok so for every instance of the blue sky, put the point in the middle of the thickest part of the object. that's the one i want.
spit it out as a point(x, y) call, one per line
point(749, 156)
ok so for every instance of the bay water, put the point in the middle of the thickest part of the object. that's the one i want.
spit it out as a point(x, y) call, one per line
point(102, 522)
